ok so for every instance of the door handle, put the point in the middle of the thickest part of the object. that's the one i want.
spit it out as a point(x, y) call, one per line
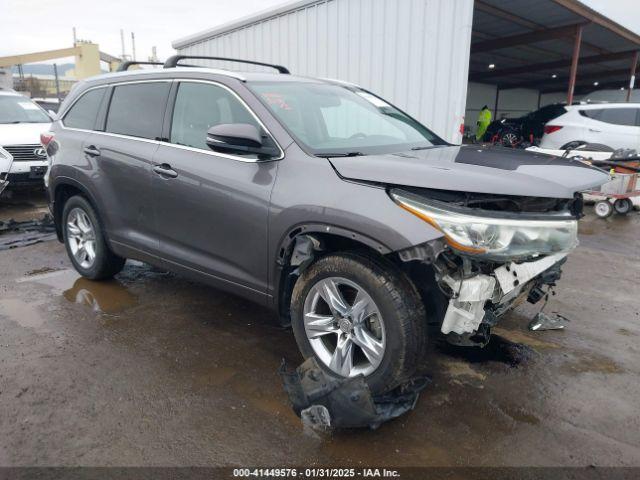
point(165, 170)
point(594, 130)
point(92, 151)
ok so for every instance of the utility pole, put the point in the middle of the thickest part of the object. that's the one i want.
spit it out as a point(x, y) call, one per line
point(55, 73)
point(124, 54)
point(75, 38)
point(133, 46)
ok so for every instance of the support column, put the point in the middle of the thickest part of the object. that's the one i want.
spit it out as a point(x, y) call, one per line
point(574, 64)
point(632, 76)
point(495, 108)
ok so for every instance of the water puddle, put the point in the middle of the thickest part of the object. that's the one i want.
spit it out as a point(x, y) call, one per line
point(499, 350)
point(107, 296)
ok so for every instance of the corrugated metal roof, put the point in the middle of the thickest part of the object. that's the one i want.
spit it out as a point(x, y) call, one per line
point(284, 8)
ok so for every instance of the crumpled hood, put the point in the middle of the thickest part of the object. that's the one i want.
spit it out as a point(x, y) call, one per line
point(22, 133)
point(471, 168)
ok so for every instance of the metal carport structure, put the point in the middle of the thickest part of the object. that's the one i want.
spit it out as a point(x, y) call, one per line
point(550, 46)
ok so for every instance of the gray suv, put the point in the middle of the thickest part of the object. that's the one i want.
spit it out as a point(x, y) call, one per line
point(357, 225)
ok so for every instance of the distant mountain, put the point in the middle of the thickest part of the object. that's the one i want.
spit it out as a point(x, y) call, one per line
point(44, 68)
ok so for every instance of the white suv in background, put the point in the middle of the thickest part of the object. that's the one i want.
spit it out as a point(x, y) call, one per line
point(616, 125)
point(23, 161)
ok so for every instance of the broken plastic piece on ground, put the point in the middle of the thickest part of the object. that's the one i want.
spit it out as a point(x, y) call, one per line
point(315, 418)
point(20, 234)
point(347, 402)
point(543, 321)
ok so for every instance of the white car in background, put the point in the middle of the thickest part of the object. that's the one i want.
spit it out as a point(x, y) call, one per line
point(616, 125)
point(23, 161)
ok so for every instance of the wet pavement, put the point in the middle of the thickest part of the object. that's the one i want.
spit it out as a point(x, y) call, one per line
point(151, 369)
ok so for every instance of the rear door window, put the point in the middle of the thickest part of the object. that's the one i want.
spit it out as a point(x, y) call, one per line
point(200, 106)
point(84, 112)
point(138, 109)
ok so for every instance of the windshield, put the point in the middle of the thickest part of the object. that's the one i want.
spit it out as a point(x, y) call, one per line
point(335, 120)
point(19, 109)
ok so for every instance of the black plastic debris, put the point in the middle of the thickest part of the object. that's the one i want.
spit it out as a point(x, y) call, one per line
point(20, 234)
point(324, 401)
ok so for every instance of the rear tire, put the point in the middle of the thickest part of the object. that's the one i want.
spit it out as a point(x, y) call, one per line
point(400, 319)
point(85, 242)
point(622, 206)
point(510, 139)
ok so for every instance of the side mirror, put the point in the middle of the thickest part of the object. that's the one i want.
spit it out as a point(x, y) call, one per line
point(238, 138)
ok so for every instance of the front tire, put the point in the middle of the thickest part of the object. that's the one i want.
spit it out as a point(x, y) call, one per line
point(359, 315)
point(603, 208)
point(85, 242)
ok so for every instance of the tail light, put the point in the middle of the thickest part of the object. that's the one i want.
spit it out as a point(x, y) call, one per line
point(551, 128)
point(46, 138)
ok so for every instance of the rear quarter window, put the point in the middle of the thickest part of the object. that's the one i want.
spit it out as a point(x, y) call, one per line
point(615, 116)
point(84, 111)
point(138, 109)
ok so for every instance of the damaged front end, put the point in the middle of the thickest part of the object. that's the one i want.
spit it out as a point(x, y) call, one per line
point(497, 252)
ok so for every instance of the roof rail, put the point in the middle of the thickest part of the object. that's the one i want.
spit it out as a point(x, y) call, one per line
point(124, 66)
point(172, 62)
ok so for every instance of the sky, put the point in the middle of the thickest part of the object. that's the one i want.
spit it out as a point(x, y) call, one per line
point(49, 23)
point(35, 25)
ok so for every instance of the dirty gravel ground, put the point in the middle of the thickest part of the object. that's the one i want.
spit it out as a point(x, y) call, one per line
point(151, 369)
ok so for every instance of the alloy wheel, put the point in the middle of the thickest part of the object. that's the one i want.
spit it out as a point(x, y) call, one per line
point(510, 139)
point(81, 237)
point(344, 327)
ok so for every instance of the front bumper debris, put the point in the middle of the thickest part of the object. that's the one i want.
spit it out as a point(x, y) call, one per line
point(512, 275)
point(503, 287)
point(324, 401)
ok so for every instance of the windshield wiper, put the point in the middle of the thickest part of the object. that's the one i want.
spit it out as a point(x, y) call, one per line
point(348, 154)
point(424, 148)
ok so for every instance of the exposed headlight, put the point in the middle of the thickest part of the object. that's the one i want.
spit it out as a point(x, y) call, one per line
point(493, 237)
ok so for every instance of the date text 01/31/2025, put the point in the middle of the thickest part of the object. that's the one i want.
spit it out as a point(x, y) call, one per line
point(316, 472)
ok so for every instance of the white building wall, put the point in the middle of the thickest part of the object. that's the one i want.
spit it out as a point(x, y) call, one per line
point(555, 97)
point(414, 53)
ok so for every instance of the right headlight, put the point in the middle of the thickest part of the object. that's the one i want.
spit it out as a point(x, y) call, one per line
point(496, 238)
